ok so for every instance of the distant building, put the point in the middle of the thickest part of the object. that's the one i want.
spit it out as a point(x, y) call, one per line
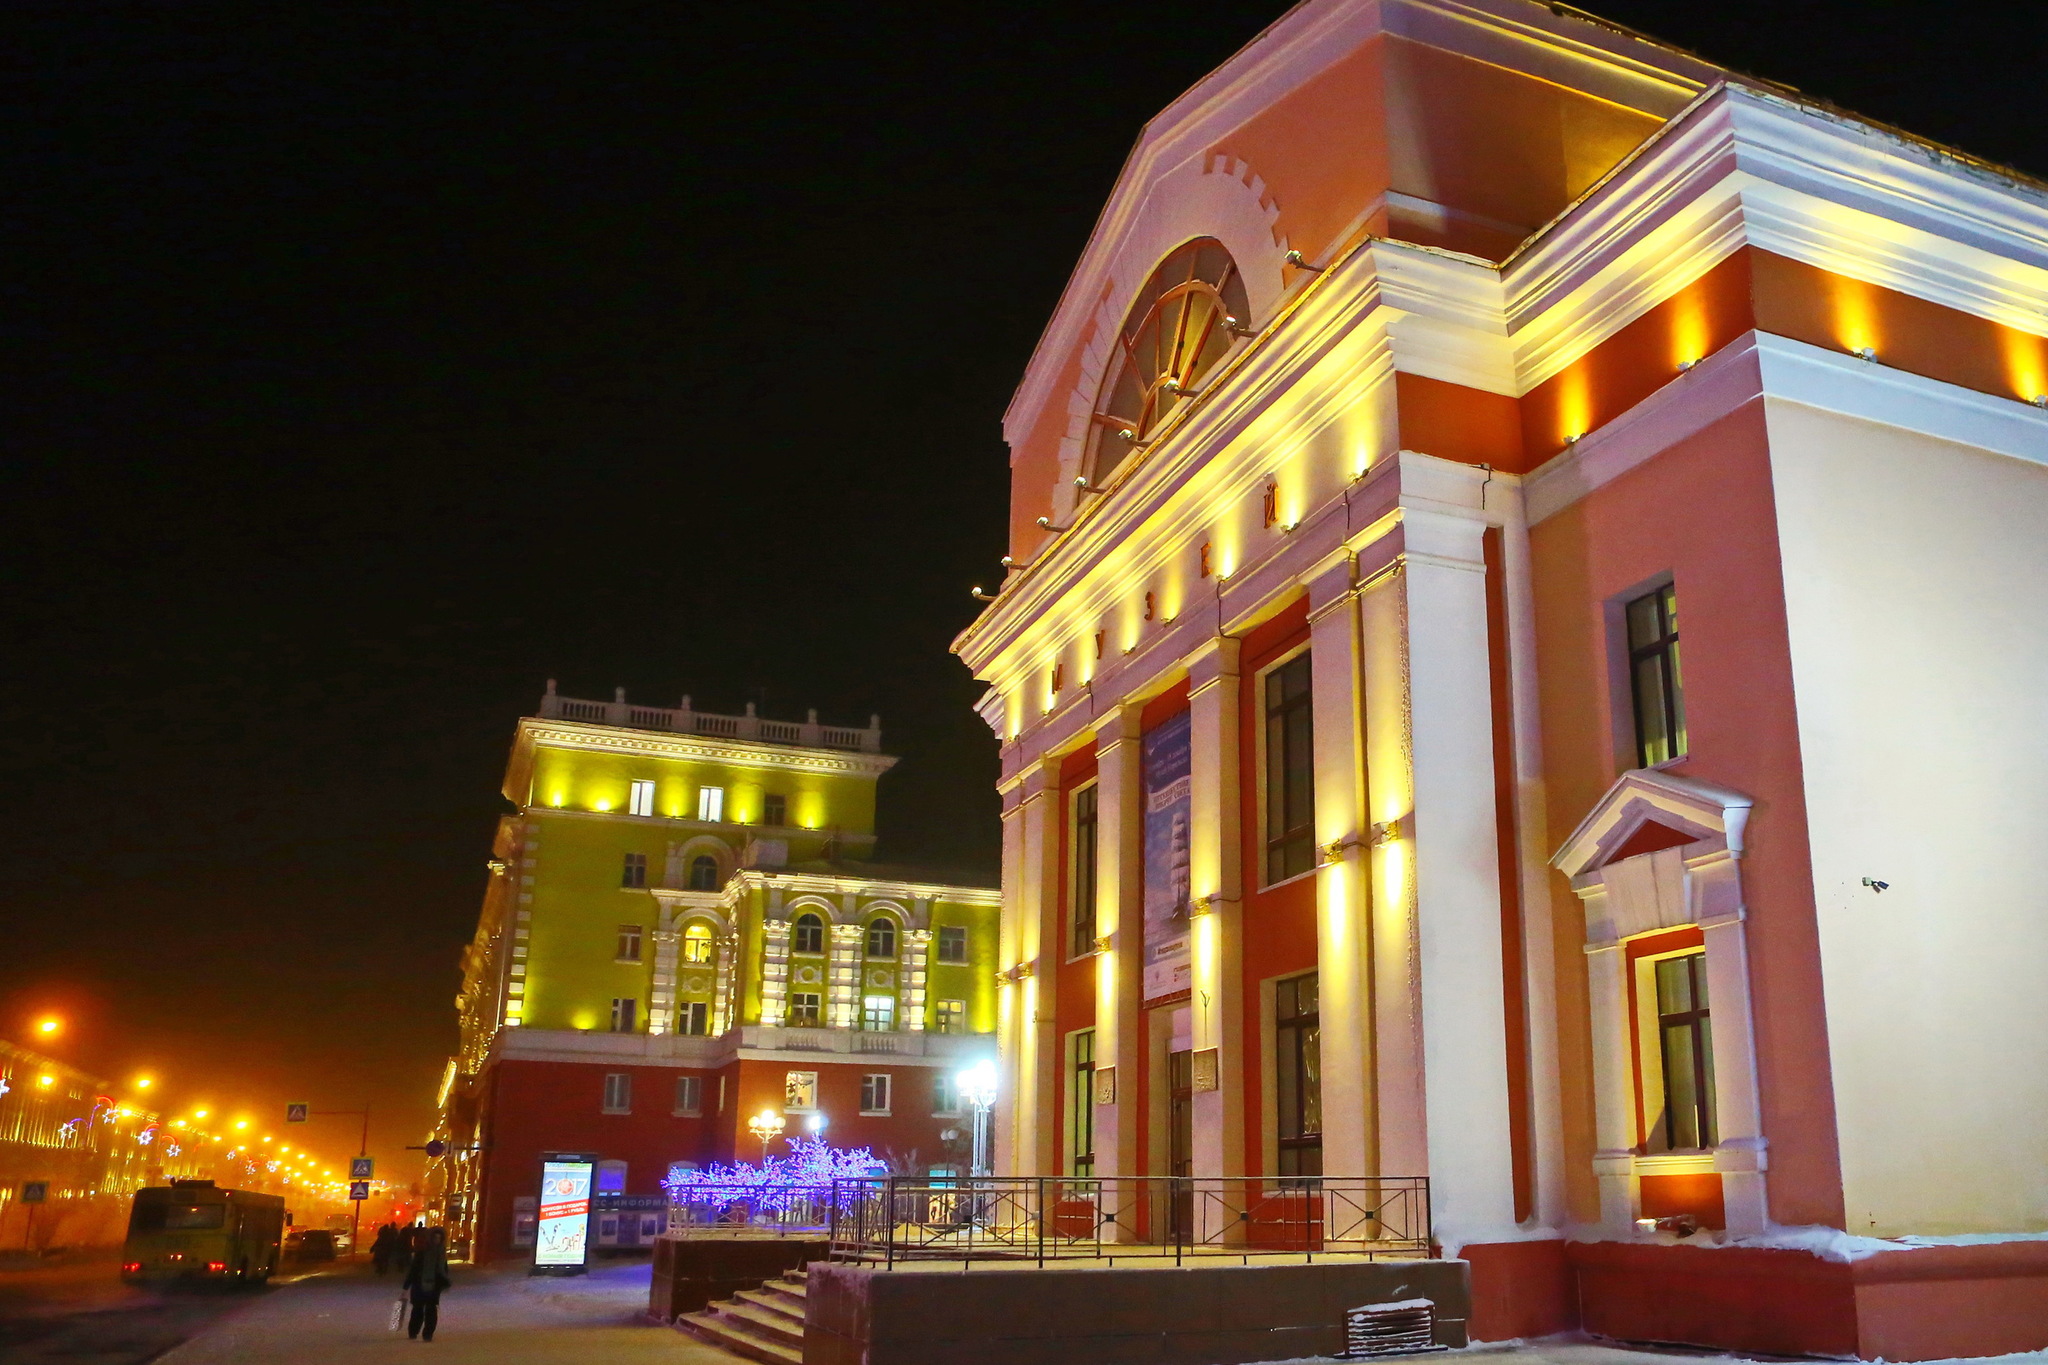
point(71, 1154)
point(679, 934)
point(1428, 357)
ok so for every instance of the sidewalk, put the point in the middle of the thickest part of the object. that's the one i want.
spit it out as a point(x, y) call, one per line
point(489, 1318)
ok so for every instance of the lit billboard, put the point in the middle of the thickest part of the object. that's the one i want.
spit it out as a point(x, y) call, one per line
point(562, 1233)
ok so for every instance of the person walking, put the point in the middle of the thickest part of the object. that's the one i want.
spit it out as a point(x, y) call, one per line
point(385, 1247)
point(426, 1279)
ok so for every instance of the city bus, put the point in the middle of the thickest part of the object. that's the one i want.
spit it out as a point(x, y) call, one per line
point(194, 1229)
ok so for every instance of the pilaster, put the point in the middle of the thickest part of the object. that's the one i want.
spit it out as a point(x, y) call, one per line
point(1344, 990)
point(1119, 913)
point(1216, 1005)
point(843, 976)
point(917, 949)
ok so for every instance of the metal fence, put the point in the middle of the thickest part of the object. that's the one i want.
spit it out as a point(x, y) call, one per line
point(751, 1211)
point(887, 1219)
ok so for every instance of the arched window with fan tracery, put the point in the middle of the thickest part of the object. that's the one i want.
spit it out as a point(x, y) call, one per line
point(1179, 328)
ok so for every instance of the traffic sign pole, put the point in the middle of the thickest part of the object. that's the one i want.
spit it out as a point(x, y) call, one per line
point(299, 1113)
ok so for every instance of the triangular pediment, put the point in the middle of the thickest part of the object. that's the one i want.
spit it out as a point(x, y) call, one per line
point(1647, 810)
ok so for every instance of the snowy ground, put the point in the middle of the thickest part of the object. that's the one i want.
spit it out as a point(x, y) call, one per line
point(488, 1318)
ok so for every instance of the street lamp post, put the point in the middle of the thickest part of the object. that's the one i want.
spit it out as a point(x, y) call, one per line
point(978, 1088)
point(765, 1125)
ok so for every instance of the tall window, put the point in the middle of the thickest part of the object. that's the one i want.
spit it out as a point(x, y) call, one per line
point(1686, 1038)
point(807, 935)
point(1298, 1075)
point(1654, 680)
point(689, 1096)
point(803, 1009)
point(1182, 323)
point(952, 943)
point(635, 872)
point(693, 1018)
point(618, 1092)
point(878, 1013)
point(949, 1016)
point(774, 809)
point(1081, 1105)
point(882, 938)
point(945, 1094)
point(641, 802)
point(874, 1093)
point(697, 942)
point(1082, 939)
point(703, 873)
point(1290, 772)
point(629, 943)
point(625, 1014)
point(711, 803)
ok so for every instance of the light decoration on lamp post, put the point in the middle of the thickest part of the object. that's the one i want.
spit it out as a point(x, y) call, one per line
point(978, 1088)
point(765, 1126)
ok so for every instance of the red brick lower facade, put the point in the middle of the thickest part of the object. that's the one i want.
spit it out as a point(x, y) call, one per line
point(525, 1108)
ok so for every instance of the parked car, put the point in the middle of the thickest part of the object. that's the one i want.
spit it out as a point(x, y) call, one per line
point(310, 1244)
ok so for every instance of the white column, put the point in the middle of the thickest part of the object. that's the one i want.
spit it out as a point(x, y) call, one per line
point(844, 976)
point(917, 949)
point(1741, 1154)
point(661, 1005)
point(1119, 915)
point(1454, 836)
point(1216, 1004)
point(1344, 994)
point(774, 968)
point(1037, 1102)
point(1614, 1118)
point(725, 992)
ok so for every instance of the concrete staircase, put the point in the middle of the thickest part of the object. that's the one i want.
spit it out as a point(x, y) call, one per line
point(765, 1324)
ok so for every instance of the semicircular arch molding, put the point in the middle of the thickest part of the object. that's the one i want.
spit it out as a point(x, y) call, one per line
point(817, 905)
point(1216, 196)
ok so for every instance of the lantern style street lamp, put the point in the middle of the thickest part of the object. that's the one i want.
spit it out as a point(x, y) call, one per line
point(978, 1088)
point(765, 1125)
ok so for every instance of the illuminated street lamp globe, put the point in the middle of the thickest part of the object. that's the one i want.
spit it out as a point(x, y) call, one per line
point(978, 1087)
point(766, 1125)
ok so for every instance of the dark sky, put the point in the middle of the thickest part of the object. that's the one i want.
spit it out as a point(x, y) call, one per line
point(366, 365)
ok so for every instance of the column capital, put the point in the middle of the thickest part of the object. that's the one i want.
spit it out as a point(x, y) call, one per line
point(1119, 723)
point(1216, 658)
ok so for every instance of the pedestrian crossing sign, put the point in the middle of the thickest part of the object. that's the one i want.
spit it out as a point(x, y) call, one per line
point(296, 1113)
point(359, 1189)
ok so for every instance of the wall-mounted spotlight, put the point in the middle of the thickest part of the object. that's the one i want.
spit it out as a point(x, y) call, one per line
point(1081, 482)
point(978, 595)
point(1045, 523)
point(1010, 563)
point(1866, 353)
point(1294, 259)
point(1236, 327)
point(2039, 400)
point(1875, 885)
point(1686, 366)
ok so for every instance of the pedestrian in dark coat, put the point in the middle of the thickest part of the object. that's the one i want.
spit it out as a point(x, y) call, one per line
point(427, 1278)
point(385, 1247)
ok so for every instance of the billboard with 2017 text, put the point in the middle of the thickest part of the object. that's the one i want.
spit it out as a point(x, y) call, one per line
point(562, 1231)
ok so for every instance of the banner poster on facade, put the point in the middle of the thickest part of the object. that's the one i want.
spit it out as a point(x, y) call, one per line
point(564, 1224)
point(1168, 806)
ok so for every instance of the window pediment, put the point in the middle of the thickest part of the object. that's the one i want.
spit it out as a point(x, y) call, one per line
point(1656, 852)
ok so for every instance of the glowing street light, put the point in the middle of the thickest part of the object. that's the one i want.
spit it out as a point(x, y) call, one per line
point(144, 1082)
point(765, 1125)
point(48, 1027)
point(978, 1088)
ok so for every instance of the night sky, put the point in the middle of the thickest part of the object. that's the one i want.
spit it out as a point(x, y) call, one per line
point(365, 366)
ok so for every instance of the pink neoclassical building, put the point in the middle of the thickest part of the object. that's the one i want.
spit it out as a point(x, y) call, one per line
point(1522, 665)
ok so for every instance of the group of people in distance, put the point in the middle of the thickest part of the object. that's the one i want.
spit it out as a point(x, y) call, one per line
point(422, 1254)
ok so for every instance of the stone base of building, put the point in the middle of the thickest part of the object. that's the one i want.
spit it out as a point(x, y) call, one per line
point(1195, 1315)
point(1927, 1303)
point(689, 1274)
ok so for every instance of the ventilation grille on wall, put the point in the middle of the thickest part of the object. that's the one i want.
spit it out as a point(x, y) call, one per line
point(1390, 1329)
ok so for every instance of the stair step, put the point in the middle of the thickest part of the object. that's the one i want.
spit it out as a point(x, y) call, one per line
point(786, 1297)
point(765, 1323)
point(788, 1307)
point(722, 1332)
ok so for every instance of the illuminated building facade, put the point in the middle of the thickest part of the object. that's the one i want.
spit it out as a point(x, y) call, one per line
point(680, 933)
point(64, 1131)
point(1359, 817)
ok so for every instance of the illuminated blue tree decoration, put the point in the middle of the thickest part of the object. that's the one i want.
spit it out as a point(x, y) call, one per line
point(777, 1184)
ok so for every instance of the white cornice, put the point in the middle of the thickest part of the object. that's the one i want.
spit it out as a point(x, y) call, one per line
point(829, 884)
point(561, 734)
point(1760, 365)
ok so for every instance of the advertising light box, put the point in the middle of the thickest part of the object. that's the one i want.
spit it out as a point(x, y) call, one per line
point(562, 1233)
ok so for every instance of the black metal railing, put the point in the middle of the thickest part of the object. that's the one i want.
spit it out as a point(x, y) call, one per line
point(750, 1210)
point(887, 1219)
